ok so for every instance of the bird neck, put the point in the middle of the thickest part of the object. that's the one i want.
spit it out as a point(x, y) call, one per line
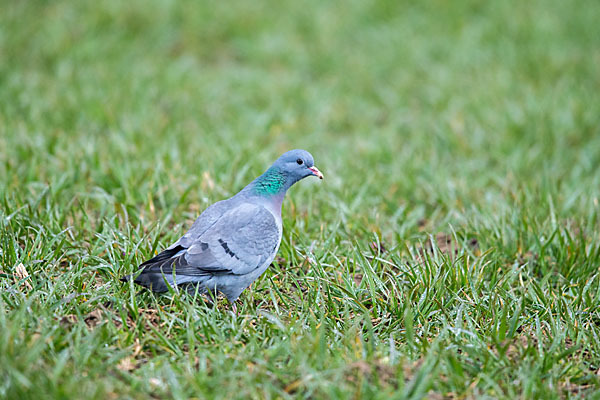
point(273, 183)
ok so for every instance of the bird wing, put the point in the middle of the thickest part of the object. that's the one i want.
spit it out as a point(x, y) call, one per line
point(238, 242)
point(204, 221)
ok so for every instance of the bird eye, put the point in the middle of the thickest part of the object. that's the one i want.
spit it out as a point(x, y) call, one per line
point(299, 161)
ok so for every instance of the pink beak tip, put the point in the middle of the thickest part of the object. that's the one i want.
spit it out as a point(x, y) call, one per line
point(316, 172)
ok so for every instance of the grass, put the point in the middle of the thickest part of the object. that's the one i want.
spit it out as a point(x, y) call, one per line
point(452, 250)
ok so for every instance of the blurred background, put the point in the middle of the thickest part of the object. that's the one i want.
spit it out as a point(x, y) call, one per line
point(433, 105)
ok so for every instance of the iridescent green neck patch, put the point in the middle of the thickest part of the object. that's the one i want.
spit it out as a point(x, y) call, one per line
point(270, 183)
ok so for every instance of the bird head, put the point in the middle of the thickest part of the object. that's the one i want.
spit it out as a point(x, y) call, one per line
point(297, 164)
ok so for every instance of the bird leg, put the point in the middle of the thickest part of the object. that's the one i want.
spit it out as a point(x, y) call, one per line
point(234, 308)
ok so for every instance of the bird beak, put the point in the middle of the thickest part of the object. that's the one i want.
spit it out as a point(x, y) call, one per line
point(316, 172)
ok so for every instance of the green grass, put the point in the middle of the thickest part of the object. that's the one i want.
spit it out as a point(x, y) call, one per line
point(452, 250)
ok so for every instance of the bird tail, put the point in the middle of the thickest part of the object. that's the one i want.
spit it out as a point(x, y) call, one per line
point(156, 273)
point(155, 281)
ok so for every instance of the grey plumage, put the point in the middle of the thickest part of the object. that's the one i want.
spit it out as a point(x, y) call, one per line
point(233, 241)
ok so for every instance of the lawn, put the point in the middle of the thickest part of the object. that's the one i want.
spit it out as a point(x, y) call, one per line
point(452, 251)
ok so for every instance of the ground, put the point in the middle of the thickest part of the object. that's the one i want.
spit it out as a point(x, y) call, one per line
point(452, 251)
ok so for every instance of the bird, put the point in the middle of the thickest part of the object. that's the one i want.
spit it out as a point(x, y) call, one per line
point(233, 241)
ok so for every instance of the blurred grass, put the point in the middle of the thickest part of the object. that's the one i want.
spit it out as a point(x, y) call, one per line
point(451, 252)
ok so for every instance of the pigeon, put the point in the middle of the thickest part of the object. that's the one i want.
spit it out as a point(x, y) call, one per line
point(233, 241)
